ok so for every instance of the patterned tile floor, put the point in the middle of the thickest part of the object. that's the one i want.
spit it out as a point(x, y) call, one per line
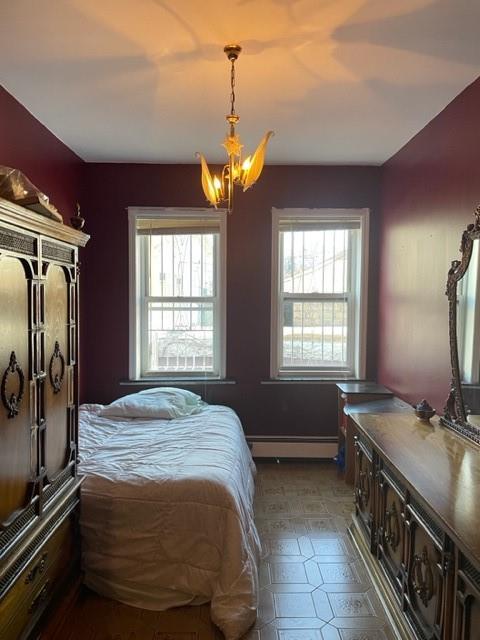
point(313, 585)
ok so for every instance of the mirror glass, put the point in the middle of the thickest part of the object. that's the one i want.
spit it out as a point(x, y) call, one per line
point(468, 319)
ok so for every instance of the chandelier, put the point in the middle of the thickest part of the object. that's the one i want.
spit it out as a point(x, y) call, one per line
point(219, 189)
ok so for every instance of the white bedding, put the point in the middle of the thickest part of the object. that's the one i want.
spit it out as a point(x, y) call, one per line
point(166, 513)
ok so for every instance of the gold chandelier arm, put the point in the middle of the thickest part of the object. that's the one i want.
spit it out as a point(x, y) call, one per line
point(211, 193)
point(251, 171)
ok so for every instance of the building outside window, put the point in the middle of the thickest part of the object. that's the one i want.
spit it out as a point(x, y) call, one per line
point(177, 293)
point(319, 293)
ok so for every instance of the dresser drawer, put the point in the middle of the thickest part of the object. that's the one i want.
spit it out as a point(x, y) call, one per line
point(23, 602)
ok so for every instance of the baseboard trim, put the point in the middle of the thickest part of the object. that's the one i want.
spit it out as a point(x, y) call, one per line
point(292, 447)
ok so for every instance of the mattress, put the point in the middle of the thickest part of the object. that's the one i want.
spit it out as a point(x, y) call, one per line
point(167, 513)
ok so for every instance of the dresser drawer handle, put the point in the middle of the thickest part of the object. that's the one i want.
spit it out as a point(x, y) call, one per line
point(40, 597)
point(37, 570)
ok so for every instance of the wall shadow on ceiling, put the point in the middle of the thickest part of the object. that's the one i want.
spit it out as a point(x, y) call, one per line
point(432, 30)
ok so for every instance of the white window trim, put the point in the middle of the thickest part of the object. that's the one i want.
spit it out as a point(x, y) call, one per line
point(134, 292)
point(363, 216)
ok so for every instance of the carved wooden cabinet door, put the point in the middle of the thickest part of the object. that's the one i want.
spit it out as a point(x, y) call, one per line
point(391, 528)
point(17, 407)
point(364, 489)
point(466, 617)
point(428, 563)
point(59, 382)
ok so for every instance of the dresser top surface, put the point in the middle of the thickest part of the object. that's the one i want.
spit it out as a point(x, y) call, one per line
point(371, 388)
point(443, 468)
point(385, 405)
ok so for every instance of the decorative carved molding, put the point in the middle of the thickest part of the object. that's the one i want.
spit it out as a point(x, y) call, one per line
point(392, 527)
point(57, 252)
point(422, 576)
point(12, 403)
point(56, 379)
point(18, 242)
point(455, 415)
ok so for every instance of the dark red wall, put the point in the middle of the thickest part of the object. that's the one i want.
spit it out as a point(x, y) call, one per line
point(296, 409)
point(27, 145)
point(430, 190)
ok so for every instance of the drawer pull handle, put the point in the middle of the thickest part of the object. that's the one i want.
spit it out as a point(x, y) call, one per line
point(37, 570)
point(392, 527)
point(12, 401)
point(56, 378)
point(422, 580)
point(363, 489)
point(39, 598)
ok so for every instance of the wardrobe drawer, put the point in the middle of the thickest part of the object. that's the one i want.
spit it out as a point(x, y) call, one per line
point(27, 597)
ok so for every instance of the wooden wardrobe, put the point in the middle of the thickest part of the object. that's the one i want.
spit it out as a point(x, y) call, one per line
point(39, 487)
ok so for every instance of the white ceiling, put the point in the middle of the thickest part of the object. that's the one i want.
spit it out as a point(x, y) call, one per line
point(340, 81)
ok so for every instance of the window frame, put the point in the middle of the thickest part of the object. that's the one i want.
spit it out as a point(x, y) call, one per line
point(136, 299)
point(358, 320)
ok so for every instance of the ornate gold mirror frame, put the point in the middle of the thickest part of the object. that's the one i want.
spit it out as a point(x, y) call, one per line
point(455, 415)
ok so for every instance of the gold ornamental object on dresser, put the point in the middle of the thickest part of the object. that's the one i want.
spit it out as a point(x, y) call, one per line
point(424, 411)
point(218, 189)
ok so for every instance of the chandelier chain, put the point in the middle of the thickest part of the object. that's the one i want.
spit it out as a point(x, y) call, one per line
point(232, 84)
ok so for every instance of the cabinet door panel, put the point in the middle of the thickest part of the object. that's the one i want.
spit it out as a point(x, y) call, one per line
point(364, 489)
point(391, 532)
point(56, 358)
point(15, 450)
point(467, 600)
point(425, 583)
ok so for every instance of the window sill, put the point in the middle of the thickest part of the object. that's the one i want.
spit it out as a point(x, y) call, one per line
point(309, 380)
point(162, 382)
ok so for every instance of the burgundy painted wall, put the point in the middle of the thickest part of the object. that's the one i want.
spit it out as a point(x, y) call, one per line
point(295, 409)
point(27, 145)
point(430, 190)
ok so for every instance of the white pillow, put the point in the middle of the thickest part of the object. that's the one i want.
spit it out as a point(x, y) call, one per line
point(176, 396)
point(137, 405)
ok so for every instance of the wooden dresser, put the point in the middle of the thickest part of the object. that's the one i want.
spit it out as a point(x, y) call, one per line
point(38, 414)
point(417, 523)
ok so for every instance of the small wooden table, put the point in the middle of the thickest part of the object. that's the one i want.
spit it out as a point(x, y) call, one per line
point(361, 397)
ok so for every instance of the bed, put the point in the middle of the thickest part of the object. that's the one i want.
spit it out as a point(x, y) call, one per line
point(167, 515)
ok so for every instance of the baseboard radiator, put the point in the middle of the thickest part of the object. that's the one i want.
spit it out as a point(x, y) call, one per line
point(293, 447)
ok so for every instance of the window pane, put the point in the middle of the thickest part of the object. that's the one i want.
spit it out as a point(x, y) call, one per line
point(315, 261)
point(180, 336)
point(315, 333)
point(182, 265)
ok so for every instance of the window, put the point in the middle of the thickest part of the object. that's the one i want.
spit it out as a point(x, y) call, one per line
point(319, 268)
point(177, 293)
